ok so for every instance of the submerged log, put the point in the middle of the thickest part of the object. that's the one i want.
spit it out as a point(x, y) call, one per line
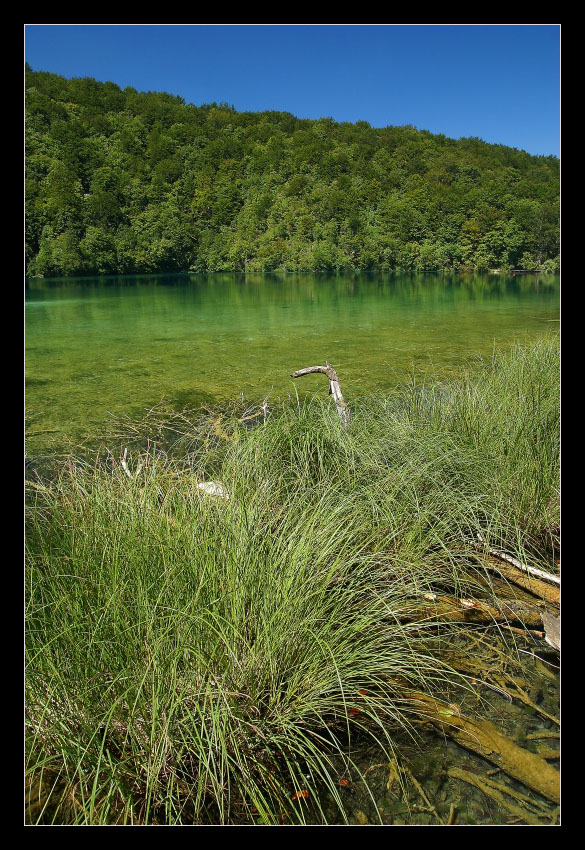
point(447, 609)
point(523, 809)
point(482, 737)
point(334, 387)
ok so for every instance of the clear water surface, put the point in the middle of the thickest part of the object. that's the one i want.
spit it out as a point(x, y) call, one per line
point(118, 345)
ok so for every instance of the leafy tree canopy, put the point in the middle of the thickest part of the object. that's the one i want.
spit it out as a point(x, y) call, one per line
point(125, 181)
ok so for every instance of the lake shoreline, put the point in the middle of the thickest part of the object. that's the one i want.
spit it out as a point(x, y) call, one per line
point(287, 272)
point(97, 347)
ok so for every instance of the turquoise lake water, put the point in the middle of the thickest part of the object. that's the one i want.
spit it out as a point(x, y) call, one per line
point(97, 347)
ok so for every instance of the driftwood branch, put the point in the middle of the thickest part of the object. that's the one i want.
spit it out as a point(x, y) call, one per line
point(124, 465)
point(525, 568)
point(524, 809)
point(334, 387)
point(126, 469)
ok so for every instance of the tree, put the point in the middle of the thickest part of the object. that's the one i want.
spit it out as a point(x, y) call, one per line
point(123, 181)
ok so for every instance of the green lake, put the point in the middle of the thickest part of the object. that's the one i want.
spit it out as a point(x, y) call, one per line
point(103, 346)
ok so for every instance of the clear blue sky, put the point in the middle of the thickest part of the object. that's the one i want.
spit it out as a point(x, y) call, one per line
point(498, 82)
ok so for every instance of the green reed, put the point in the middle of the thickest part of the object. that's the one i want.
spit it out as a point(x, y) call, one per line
point(200, 659)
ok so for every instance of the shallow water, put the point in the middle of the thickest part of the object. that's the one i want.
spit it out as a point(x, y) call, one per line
point(118, 345)
point(371, 793)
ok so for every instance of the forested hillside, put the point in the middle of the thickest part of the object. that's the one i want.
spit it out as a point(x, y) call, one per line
point(121, 181)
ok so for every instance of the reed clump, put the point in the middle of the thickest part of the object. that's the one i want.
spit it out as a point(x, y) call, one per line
point(210, 659)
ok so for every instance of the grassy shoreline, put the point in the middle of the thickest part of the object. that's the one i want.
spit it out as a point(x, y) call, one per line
point(195, 659)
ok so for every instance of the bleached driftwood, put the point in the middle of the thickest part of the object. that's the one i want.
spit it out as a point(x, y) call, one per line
point(126, 468)
point(525, 568)
point(124, 465)
point(334, 387)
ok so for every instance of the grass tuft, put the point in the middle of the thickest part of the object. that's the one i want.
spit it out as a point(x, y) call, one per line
point(197, 659)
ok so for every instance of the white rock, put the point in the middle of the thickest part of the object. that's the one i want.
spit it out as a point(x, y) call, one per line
point(213, 488)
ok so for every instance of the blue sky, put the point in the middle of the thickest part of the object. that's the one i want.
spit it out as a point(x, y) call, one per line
point(498, 82)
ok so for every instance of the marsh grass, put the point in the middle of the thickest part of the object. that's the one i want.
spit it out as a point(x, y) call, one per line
point(196, 659)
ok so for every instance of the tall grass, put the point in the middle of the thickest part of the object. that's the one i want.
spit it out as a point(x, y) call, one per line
point(197, 659)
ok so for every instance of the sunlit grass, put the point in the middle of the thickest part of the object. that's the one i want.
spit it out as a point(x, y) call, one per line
point(202, 659)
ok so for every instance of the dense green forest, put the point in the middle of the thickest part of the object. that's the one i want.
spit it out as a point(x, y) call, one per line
point(121, 181)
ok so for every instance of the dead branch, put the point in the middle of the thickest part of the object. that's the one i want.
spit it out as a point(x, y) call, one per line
point(124, 465)
point(525, 581)
point(513, 687)
point(525, 568)
point(420, 789)
point(525, 811)
point(334, 387)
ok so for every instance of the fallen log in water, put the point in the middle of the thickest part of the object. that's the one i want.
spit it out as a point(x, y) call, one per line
point(447, 609)
point(527, 582)
point(482, 737)
point(524, 808)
